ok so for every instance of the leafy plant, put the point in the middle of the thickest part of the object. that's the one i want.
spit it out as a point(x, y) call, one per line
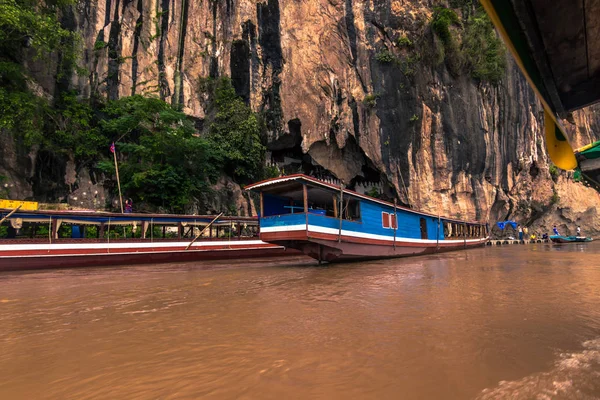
point(373, 192)
point(403, 41)
point(30, 24)
point(235, 135)
point(555, 197)
point(385, 56)
point(370, 100)
point(163, 163)
point(443, 19)
point(484, 51)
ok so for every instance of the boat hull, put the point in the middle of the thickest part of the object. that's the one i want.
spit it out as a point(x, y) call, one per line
point(570, 239)
point(27, 256)
point(331, 248)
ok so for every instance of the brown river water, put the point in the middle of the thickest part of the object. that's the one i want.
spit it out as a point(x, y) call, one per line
point(513, 322)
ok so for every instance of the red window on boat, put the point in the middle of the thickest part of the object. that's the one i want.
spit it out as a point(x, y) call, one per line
point(385, 219)
point(388, 221)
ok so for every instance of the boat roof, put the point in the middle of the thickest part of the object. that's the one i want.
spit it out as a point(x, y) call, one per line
point(289, 186)
point(557, 47)
point(99, 217)
point(558, 44)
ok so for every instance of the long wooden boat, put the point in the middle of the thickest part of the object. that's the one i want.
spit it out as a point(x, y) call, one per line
point(27, 250)
point(569, 239)
point(330, 223)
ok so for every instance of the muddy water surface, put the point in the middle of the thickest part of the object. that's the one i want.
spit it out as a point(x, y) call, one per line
point(515, 322)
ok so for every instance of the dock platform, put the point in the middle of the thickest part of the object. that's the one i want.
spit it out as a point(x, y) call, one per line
point(503, 242)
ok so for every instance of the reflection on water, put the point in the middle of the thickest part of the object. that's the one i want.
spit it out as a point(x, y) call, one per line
point(518, 322)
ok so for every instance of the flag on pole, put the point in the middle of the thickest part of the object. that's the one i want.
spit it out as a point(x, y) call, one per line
point(112, 147)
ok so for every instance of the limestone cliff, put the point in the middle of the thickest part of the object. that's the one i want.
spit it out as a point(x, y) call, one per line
point(440, 141)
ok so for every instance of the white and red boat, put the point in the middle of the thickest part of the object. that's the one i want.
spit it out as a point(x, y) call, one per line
point(330, 223)
point(227, 238)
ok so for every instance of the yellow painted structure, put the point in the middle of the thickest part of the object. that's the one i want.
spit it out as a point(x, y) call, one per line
point(25, 205)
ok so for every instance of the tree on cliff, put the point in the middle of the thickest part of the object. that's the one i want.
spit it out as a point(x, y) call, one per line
point(27, 27)
point(162, 164)
point(235, 135)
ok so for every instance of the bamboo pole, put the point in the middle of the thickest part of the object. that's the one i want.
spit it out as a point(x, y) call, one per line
point(11, 213)
point(202, 231)
point(118, 180)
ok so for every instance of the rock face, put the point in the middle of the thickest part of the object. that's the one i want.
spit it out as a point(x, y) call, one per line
point(439, 142)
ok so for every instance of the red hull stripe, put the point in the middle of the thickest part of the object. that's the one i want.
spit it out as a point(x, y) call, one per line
point(278, 235)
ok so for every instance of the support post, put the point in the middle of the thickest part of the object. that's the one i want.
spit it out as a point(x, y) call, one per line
point(305, 201)
point(341, 211)
point(335, 206)
point(262, 205)
point(438, 234)
point(395, 221)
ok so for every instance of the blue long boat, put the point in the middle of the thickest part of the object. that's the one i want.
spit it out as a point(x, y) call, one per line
point(330, 223)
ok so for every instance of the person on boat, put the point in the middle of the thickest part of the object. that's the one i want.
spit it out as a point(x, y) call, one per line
point(578, 231)
point(520, 232)
point(128, 206)
point(555, 231)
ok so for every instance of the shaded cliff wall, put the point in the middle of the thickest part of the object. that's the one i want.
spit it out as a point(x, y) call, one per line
point(441, 142)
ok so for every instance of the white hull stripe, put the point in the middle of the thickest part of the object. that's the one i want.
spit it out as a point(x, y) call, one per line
point(137, 253)
point(333, 231)
point(120, 245)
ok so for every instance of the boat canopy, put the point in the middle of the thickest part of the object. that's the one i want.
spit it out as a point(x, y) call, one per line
point(99, 218)
point(320, 195)
point(557, 47)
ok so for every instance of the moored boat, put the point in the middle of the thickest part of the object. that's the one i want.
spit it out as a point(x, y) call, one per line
point(330, 223)
point(570, 239)
point(148, 241)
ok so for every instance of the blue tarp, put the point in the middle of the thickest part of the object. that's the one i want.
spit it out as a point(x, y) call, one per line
point(502, 225)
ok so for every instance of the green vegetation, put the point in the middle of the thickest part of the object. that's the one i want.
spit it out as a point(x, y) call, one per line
point(163, 164)
point(403, 41)
point(555, 197)
point(29, 24)
point(370, 100)
point(235, 135)
point(374, 192)
point(385, 56)
point(471, 46)
point(414, 118)
point(554, 171)
point(442, 19)
point(163, 161)
point(484, 51)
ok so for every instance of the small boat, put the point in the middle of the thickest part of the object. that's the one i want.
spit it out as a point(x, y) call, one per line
point(330, 223)
point(570, 239)
point(88, 238)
